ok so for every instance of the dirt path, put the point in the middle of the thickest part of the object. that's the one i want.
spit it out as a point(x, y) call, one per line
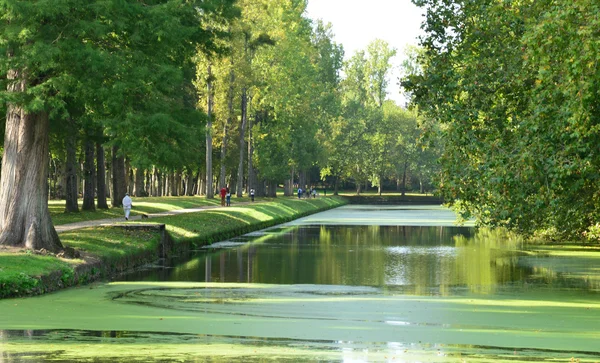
point(112, 221)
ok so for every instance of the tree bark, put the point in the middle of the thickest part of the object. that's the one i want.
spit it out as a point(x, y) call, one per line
point(71, 190)
point(159, 180)
point(240, 174)
point(139, 182)
point(404, 178)
point(88, 176)
point(24, 216)
point(179, 182)
point(129, 180)
point(100, 178)
point(228, 121)
point(118, 173)
point(336, 185)
point(209, 174)
point(251, 173)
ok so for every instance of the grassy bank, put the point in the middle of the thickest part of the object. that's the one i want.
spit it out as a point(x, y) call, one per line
point(140, 205)
point(109, 250)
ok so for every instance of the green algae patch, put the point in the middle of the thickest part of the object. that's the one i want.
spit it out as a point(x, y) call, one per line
point(155, 347)
point(532, 323)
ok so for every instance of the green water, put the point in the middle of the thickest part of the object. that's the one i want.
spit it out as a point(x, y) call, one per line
point(357, 284)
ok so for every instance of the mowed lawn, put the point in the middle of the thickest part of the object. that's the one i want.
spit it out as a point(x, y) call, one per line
point(140, 205)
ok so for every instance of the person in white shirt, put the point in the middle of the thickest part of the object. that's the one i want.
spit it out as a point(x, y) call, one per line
point(127, 205)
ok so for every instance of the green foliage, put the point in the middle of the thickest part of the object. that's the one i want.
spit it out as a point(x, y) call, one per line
point(513, 86)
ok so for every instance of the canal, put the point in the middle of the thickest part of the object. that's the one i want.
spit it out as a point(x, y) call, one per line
point(355, 284)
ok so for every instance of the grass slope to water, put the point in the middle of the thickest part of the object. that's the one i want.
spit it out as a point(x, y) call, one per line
point(213, 225)
point(116, 248)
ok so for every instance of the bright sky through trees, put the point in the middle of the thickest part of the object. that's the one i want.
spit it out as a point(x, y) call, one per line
point(358, 22)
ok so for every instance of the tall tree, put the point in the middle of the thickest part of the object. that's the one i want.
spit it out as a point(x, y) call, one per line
point(46, 53)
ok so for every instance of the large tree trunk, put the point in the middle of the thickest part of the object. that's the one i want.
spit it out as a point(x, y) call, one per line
point(118, 180)
point(272, 189)
point(209, 174)
point(71, 190)
point(88, 176)
point(100, 178)
point(24, 217)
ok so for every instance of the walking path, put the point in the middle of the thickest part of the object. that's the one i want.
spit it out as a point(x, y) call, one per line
point(112, 221)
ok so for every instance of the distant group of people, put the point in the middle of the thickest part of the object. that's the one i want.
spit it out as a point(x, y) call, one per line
point(303, 193)
point(225, 194)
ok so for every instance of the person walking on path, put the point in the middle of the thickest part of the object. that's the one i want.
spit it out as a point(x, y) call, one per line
point(299, 192)
point(228, 197)
point(252, 194)
point(127, 203)
point(223, 192)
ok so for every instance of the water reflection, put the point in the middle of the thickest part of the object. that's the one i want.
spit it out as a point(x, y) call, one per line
point(401, 259)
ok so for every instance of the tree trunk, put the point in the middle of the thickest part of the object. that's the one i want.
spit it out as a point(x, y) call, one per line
point(302, 179)
point(189, 183)
point(159, 180)
point(222, 174)
point(288, 187)
point(129, 180)
point(139, 182)
point(108, 178)
point(251, 173)
point(404, 178)
point(272, 189)
point(201, 183)
point(240, 173)
point(179, 182)
point(260, 188)
point(88, 176)
point(380, 187)
point(24, 216)
point(71, 190)
point(118, 178)
point(336, 185)
point(100, 178)
point(209, 174)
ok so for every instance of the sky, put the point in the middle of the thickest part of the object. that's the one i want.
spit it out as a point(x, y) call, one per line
point(358, 22)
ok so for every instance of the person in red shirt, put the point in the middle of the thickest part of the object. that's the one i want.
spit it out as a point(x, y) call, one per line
point(223, 193)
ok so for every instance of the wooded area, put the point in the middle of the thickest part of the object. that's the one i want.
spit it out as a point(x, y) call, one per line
point(174, 97)
point(511, 88)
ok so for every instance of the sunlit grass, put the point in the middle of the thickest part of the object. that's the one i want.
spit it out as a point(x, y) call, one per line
point(110, 242)
point(141, 205)
point(208, 224)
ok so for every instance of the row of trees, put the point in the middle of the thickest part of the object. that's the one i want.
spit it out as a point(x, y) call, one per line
point(511, 88)
point(116, 74)
point(174, 97)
